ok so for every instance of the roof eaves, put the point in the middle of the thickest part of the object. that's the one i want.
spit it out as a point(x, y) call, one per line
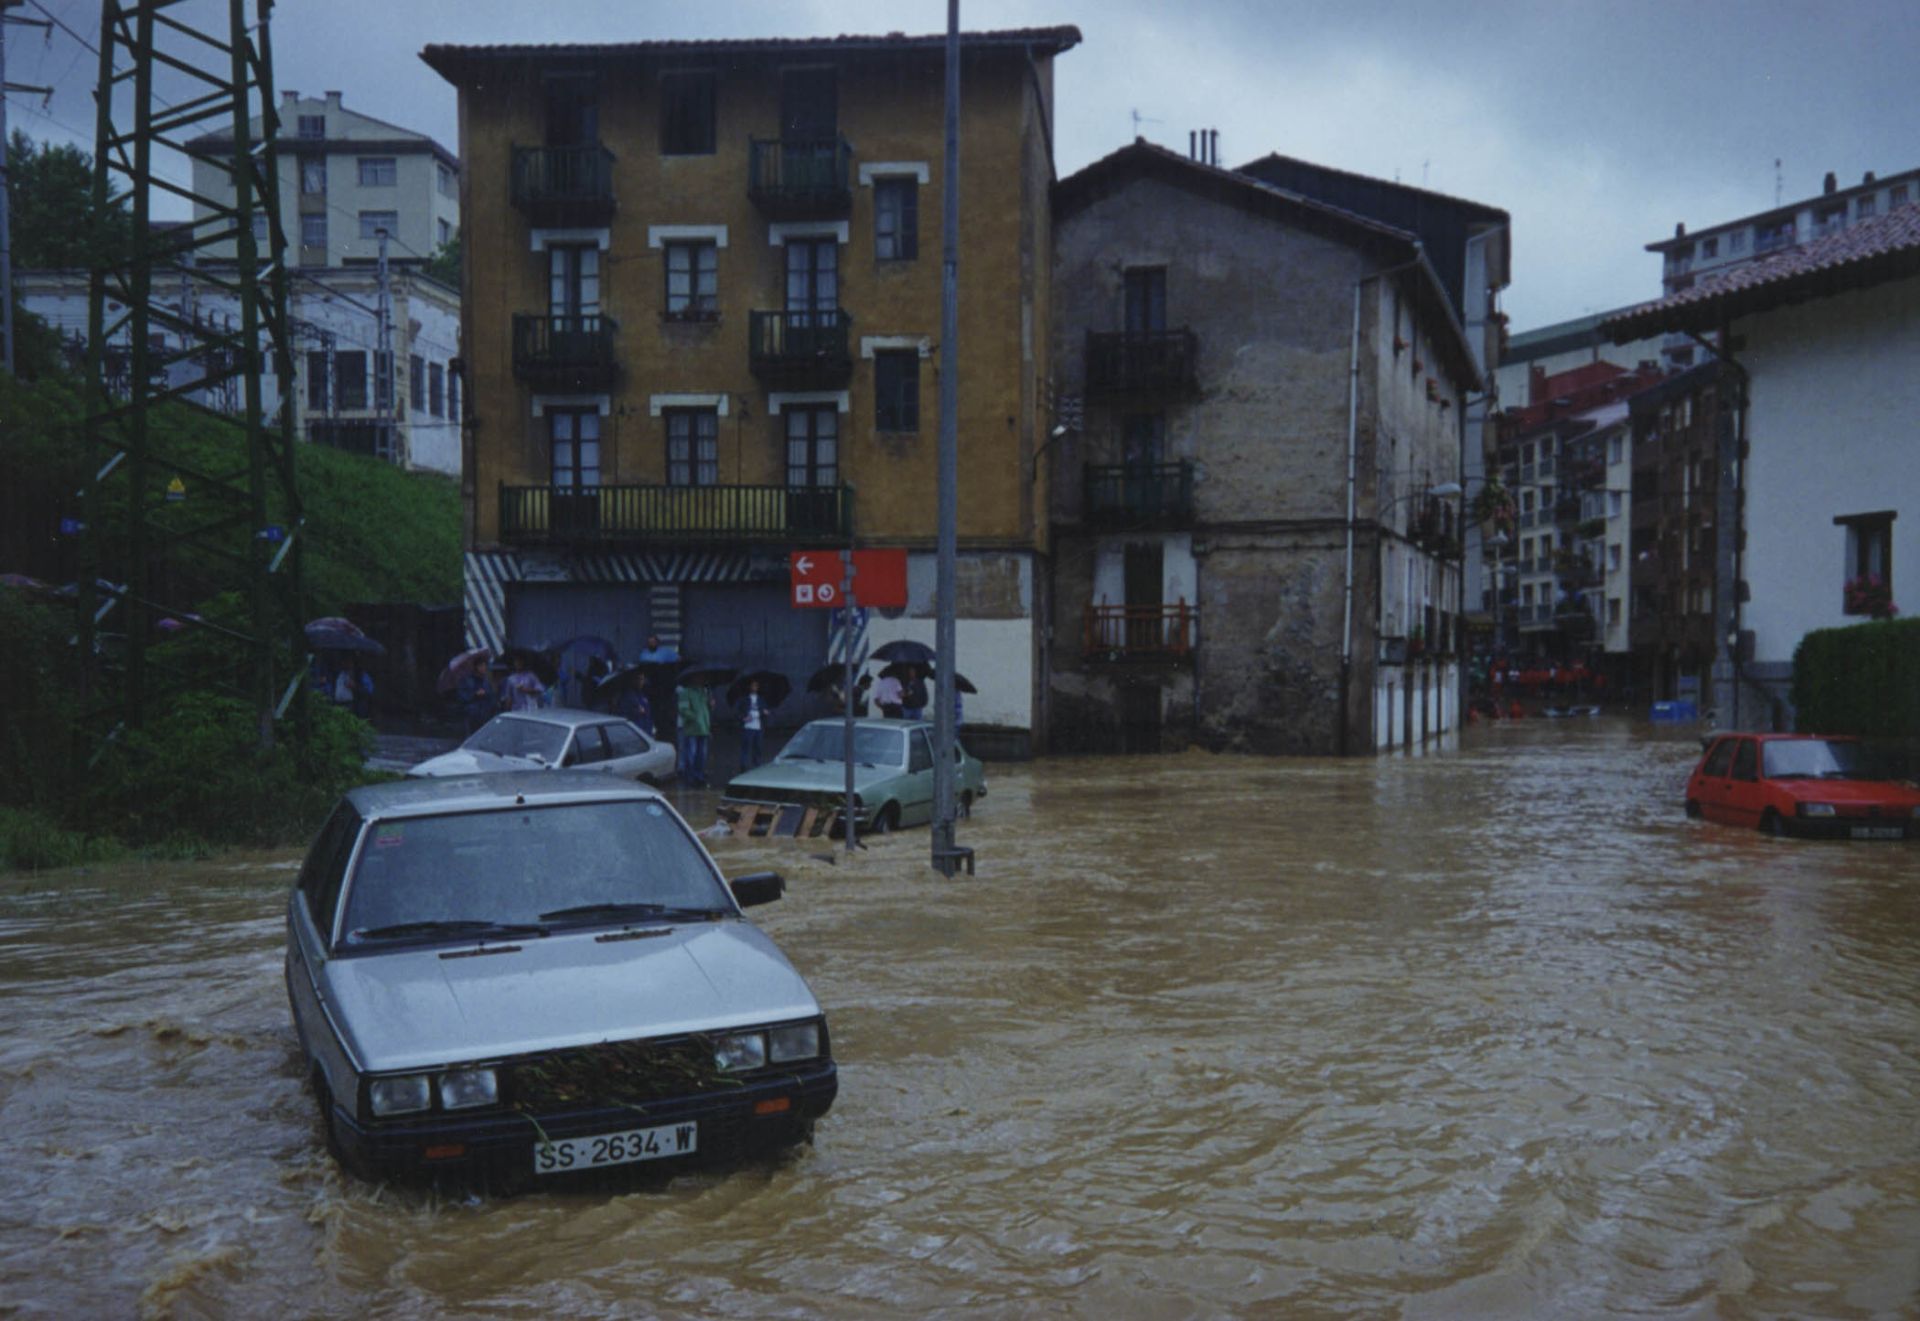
point(1489, 213)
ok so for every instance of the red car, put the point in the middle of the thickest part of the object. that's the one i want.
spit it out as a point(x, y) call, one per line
point(1800, 784)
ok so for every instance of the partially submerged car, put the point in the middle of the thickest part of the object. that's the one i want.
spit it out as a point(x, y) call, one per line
point(557, 739)
point(892, 773)
point(1800, 784)
point(523, 975)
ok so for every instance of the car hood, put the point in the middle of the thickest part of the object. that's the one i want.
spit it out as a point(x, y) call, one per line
point(1885, 792)
point(809, 777)
point(462, 762)
point(419, 1008)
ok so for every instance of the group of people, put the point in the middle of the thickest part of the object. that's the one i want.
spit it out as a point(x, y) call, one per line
point(344, 682)
point(897, 696)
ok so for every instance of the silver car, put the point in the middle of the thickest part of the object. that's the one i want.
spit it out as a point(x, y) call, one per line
point(527, 975)
point(557, 739)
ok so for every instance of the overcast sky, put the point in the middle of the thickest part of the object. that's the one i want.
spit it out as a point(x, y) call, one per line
point(1596, 125)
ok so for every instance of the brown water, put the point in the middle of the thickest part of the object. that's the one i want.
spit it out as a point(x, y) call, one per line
point(1492, 1033)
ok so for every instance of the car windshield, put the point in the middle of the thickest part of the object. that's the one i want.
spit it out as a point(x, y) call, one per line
point(526, 868)
point(826, 740)
point(506, 736)
point(1814, 758)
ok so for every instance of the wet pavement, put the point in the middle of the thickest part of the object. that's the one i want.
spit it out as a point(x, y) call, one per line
point(1488, 1033)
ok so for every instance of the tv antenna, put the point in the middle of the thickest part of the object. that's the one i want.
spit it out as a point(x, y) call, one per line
point(1139, 119)
point(1778, 182)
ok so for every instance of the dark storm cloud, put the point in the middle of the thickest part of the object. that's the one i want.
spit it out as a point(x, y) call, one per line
point(1596, 125)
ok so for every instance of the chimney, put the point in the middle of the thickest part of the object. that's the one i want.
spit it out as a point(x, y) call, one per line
point(1680, 229)
point(288, 98)
point(1831, 185)
point(1868, 178)
point(333, 98)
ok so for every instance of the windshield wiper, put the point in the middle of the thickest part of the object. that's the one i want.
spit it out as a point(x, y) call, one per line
point(631, 911)
point(453, 926)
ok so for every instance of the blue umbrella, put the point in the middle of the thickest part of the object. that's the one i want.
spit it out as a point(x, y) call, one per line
point(903, 649)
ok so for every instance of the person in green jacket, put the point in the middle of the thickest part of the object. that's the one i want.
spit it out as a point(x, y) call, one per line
point(696, 724)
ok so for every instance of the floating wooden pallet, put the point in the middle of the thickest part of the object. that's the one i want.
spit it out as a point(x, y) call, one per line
point(781, 820)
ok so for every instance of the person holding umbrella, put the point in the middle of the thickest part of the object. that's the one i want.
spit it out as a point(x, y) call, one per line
point(753, 714)
point(696, 727)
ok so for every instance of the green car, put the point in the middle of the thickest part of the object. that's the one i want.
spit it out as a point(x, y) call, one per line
point(892, 773)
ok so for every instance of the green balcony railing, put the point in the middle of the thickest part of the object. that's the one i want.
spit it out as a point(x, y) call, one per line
point(1138, 494)
point(564, 351)
point(675, 514)
point(564, 185)
point(800, 178)
point(800, 349)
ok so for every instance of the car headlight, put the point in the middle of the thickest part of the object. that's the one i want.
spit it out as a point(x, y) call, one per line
point(400, 1096)
point(462, 1089)
point(741, 1050)
point(1816, 809)
point(800, 1042)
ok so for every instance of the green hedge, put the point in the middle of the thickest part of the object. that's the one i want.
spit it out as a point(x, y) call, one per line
point(1863, 679)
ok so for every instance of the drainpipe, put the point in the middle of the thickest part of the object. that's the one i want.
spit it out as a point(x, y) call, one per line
point(1353, 447)
point(1729, 509)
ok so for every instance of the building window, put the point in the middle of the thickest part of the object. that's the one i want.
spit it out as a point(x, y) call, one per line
point(1613, 612)
point(1863, 206)
point(693, 447)
point(896, 390)
point(1769, 235)
point(1710, 247)
point(1145, 295)
point(1896, 196)
point(436, 389)
point(813, 446)
point(350, 378)
point(1614, 499)
point(693, 281)
point(313, 127)
point(1142, 439)
point(317, 380)
point(896, 218)
point(1616, 448)
point(372, 222)
point(573, 281)
point(416, 382)
point(1737, 241)
point(1868, 566)
point(443, 175)
point(313, 230)
point(1613, 557)
point(377, 172)
point(574, 434)
point(443, 231)
point(686, 113)
point(313, 175)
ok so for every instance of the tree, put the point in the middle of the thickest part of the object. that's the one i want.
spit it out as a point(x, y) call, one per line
point(444, 264)
point(54, 223)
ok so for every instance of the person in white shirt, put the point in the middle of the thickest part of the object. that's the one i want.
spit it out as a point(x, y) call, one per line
point(753, 709)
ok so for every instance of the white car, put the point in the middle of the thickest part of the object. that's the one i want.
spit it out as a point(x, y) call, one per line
point(557, 739)
point(519, 976)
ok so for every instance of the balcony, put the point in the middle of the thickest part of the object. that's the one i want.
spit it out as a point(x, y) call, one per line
point(800, 350)
point(800, 178)
point(564, 186)
point(1150, 634)
point(1138, 495)
point(675, 515)
point(564, 352)
point(1142, 364)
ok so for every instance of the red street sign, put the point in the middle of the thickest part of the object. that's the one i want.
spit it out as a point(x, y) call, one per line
point(879, 578)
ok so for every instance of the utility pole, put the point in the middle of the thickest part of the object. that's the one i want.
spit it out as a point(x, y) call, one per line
point(6, 182)
point(945, 857)
point(385, 399)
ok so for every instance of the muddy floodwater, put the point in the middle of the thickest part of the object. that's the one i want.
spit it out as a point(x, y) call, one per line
point(1488, 1033)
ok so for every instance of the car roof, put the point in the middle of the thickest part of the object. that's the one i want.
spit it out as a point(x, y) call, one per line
point(873, 722)
point(436, 796)
point(571, 717)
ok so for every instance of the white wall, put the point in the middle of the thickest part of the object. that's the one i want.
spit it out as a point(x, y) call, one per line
point(1834, 405)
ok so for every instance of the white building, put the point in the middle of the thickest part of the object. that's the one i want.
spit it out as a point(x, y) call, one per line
point(345, 176)
point(333, 316)
point(1826, 336)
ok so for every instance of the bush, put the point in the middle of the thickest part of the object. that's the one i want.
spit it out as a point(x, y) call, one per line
point(1863, 679)
point(32, 841)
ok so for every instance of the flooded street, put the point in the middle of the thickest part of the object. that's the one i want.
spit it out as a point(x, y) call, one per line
point(1488, 1033)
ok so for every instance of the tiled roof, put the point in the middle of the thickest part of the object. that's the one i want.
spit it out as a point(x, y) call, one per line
point(1867, 252)
point(446, 59)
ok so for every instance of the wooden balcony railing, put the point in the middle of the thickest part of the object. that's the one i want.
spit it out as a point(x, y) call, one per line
point(1139, 494)
point(1168, 634)
point(800, 178)
point(800, 350)
point(564, 185)
point(564, 352)
point(1142, 364)
point(632, 515)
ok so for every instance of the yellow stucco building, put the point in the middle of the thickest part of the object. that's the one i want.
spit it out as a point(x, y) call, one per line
point(701, 306)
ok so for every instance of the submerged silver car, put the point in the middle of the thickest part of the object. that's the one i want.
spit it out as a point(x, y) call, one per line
point(531, 974)
point(558, 738)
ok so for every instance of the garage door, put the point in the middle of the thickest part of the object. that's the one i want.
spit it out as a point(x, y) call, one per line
point(541, 614)
point(753, 626)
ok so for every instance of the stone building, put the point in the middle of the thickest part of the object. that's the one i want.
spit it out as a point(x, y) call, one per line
point(702, 304)
point(1256, 477)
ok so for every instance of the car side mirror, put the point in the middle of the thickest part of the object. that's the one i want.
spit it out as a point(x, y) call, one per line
point(761, 887)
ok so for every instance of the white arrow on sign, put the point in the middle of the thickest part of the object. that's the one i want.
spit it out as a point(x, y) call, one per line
point(803, 566)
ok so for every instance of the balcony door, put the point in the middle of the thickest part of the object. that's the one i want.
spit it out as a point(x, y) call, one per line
point(573, 301)
point(813, 296)
point(813, 467)
point(1143, 573)
point(573, 111)
point(1142, 443)
point(574, 437)
point(1146, 300)
point(809, 128)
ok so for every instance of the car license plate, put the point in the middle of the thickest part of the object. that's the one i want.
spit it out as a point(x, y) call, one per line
point(1878, 832)
point(635, 1144)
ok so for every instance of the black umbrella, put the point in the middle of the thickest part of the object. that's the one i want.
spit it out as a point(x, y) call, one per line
point(774, 687)
point(827, 676)
point(333, 639)
point(706, 676)
point(903, 649)
point(529, 659)
point(608, 682)
point(898, 670)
